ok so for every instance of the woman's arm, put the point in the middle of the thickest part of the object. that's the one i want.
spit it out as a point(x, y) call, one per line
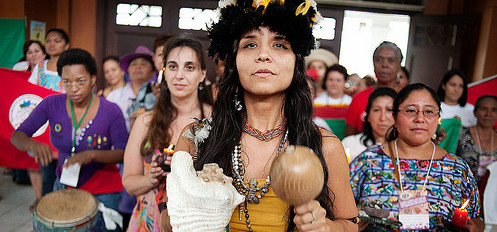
point(133, 179)
point(183, 144)
point(41, 151)
point(101, 156)
point(344, 206)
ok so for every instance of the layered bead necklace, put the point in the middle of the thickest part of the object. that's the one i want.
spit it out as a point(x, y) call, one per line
point(250, 191)
point(264, 136)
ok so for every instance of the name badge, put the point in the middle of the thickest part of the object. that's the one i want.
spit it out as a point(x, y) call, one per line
point(413, 210)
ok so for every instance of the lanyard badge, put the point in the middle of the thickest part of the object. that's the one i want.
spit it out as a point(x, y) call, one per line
point(413, 210)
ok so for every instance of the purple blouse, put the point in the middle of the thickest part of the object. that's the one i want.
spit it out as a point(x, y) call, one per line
point(105, 132)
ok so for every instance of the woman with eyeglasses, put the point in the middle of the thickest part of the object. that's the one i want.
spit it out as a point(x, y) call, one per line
point(84, 128)
point(420, 183)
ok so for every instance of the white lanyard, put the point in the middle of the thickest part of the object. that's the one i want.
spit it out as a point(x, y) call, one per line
point(398, 166)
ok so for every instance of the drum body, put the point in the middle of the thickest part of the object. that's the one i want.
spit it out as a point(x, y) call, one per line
point(67, 210)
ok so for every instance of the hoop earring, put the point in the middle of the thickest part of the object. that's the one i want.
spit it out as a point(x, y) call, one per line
point(238, 103)
point(395, 132)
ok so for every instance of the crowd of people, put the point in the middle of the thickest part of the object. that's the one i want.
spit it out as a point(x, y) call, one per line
point(268, 78)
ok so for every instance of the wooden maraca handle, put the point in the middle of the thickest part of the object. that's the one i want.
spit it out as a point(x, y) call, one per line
point(297, 175)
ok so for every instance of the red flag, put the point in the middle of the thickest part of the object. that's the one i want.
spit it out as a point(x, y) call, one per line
point(331, 111)
point(482, 87)
point(19, 98)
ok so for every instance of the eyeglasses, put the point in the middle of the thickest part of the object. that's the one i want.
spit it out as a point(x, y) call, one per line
point(412, 112)
point(79, 83)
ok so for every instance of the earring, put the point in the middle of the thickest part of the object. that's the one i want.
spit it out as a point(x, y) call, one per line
point(397, 79)
point(201, 86)
point(434, 136)
point(395, 132)
point(238, 103)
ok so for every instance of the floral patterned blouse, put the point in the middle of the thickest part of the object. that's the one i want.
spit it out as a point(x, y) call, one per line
point(450, 183)
point(469, 150)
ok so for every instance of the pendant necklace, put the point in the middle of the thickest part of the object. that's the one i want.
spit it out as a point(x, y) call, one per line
point(250, 191)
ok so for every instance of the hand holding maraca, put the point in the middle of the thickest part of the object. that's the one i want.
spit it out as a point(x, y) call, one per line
point(297, 178)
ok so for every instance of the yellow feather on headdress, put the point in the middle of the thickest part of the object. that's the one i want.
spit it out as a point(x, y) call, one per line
point(303, 8)
point(257, 3)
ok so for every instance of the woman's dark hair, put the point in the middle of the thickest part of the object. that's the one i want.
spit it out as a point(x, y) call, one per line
point(61, 32)
point(77, 56)
point(480, 99)
point(392, 133)
point(111, 57)
point(164, 112)
point(161, 40)
point(336, 67)
point(25, 47)
point(368, 138)
point(393, 46)
point(448, 75)
point(227, 124)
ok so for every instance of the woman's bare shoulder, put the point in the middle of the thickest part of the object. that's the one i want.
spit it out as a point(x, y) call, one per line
point(328, 136)
point(331, 144)
point(144, 118)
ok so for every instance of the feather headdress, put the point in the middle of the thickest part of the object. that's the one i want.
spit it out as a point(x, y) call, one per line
point(293, 19)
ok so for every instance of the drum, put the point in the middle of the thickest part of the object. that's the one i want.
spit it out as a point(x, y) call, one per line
point(67, 210)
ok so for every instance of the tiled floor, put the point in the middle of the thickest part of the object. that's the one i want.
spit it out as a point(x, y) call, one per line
point(14, 205)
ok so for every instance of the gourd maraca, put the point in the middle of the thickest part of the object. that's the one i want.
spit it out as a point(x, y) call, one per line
point(297, 175)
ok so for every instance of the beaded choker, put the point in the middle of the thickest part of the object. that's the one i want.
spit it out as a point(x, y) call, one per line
point(250, 191)
point(267, 135)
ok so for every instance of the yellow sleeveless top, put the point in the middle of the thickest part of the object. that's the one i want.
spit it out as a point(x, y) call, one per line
point(271, 214)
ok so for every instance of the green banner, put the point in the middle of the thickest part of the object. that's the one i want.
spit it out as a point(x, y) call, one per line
point(337, 126)
point(452, 127)
point(12, 38)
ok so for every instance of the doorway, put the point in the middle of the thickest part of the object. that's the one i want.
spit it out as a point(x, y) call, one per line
point(363, 32)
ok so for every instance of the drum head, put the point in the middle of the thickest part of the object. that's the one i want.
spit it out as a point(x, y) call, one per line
point(67, 207)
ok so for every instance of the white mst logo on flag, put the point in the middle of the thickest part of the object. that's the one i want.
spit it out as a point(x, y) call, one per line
point(21, 108)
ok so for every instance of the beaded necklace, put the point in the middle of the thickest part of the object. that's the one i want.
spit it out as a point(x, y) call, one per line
point(264, 136)
point(251, 190)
